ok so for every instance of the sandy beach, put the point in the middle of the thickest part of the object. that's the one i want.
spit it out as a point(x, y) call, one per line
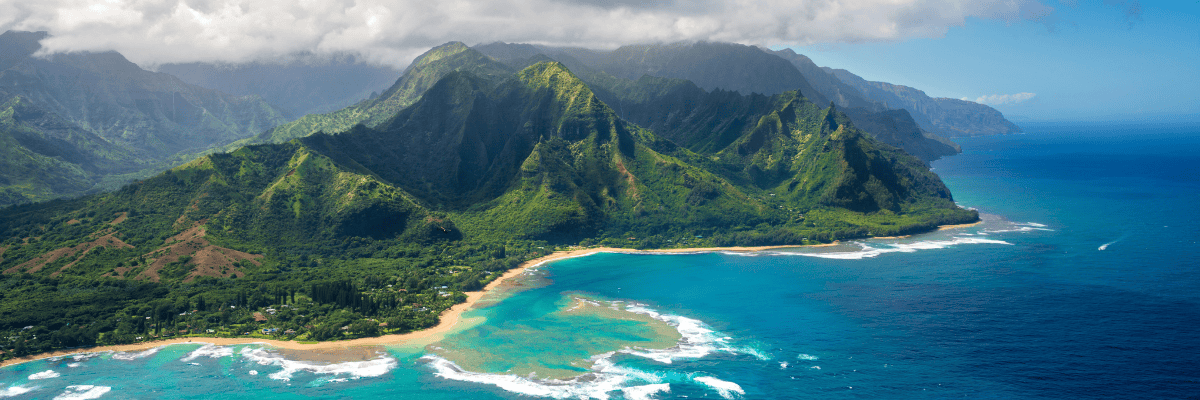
point(945, 227)
point(449, 318)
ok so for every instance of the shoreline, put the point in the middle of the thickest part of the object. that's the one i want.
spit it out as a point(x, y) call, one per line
point(446, 322)
point(945, 227)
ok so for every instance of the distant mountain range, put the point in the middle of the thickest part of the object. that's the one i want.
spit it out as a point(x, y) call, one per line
point(83, 122)
point(304, 85)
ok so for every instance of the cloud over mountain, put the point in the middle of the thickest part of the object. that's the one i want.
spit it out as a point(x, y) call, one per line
point(394, 31)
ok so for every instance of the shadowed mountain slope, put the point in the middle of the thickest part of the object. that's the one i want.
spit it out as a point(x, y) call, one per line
point(108, 117)
point(416, 79)
point(719, 66)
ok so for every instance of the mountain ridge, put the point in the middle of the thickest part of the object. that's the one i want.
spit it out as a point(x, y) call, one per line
point(392, 221)
point(121, 121)
point(702, 63)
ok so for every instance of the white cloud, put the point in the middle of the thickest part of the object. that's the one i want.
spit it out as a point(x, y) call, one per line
point(1000, 99)
point(394, 31)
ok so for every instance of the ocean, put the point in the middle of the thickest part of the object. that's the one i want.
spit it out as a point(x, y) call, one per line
point(1081, 283)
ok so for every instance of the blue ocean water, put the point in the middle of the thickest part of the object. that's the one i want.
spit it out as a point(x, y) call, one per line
point(1081, 283)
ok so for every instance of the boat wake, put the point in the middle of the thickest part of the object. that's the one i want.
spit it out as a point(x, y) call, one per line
point(1105, 246)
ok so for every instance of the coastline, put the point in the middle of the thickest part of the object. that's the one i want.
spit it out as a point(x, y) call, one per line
point(447, 321)
point(945, 227)
point(939, 228)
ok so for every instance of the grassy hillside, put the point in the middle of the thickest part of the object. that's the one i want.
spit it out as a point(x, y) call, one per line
point(392, 222)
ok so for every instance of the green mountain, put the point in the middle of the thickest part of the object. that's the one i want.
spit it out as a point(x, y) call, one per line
point(418, 77)
point(43, 157)
point(845, 96)
point(88, 121)
point(724, 66)
point(392, 220)
point(945, 116)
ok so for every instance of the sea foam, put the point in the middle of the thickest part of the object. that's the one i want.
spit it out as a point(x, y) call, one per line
point(14, 391)
point(355, 369)
point(82, 392)
point(724, 388)
point(47, 374)
point(210, 351)
point(868, 251)
point(604, 378)
point(1020, 227)
point(697, 339)
point(127, 356)
point(645, 392)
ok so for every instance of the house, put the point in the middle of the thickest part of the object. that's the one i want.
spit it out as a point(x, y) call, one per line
point(289, 332)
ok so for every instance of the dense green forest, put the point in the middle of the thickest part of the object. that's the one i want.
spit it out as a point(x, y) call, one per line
point(379, 228)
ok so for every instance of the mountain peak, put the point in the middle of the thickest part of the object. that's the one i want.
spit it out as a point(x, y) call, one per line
point(438, 53)
point(547, 73)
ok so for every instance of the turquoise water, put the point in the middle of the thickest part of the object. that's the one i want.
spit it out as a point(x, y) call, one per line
point(1081, 283)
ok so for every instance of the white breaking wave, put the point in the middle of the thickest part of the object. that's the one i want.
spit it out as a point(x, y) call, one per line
point(604, 378)
point(1021, 227)
point(645, 391)
point(803, 356)
point(14, 391)
point(82, 392)
point(47, 374)
point(698, 340)
point(74, 365)
point(724, 388)
point(783, 364)
point(133, 356)
point(210, 351)
point(356, 369)
point(867, 251)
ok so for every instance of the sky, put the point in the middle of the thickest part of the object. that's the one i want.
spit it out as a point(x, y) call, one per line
point(1032, 59)
point(1099, 61)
